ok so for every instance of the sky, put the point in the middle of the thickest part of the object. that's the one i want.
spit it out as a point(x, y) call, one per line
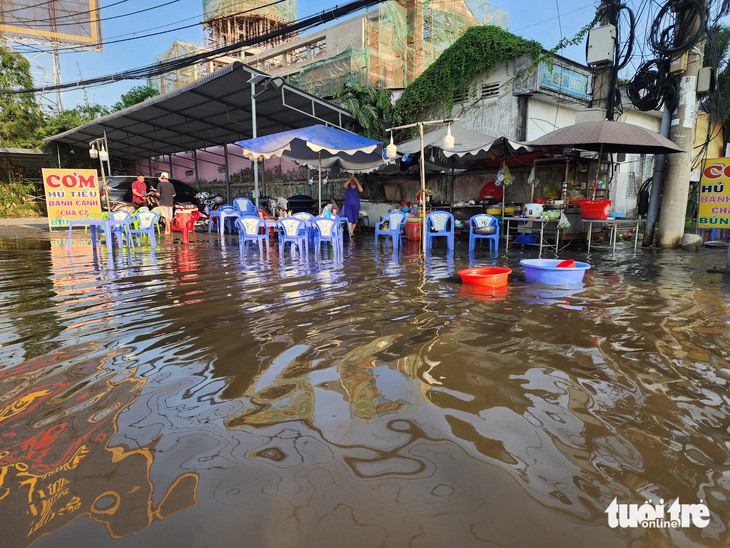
point(133, 39)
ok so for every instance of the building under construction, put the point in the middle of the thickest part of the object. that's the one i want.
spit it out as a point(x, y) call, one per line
point(389, 45)
point(228, 22)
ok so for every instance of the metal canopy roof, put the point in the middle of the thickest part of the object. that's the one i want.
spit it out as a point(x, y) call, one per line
point(22, 157)
point(213, 111)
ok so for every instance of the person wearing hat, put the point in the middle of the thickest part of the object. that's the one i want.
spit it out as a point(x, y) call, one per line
point(166, 193)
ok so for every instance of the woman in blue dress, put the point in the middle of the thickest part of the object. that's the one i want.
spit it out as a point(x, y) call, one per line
point(351, 207)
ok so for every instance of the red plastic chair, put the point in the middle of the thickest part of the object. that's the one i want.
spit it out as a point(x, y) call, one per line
point(184, 222)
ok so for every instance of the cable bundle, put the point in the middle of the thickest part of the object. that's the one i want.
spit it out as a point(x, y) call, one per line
point(651, 86)
point(678, 26)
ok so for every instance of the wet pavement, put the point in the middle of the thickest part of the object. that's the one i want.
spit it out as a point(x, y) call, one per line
point(195, 397)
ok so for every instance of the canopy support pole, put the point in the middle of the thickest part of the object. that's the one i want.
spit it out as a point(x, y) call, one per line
point(422, 169)
point(254, 131)
point(319, 171)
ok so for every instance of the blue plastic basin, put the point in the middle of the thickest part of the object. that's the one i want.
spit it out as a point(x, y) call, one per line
point(544, 271)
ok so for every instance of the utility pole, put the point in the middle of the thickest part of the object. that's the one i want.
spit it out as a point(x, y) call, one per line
point(604, 78)
point(683, 126)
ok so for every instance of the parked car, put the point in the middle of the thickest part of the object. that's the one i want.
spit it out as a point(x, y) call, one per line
point(120, 192)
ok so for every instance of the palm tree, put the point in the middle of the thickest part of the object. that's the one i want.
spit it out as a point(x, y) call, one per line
point(370, 105)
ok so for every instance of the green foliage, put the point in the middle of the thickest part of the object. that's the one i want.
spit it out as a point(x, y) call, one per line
point(479, 50)
point(18, 200)
point(135, 95)
point(370, 105)
point(19, 112)
point(717, 54)
point(64, 121)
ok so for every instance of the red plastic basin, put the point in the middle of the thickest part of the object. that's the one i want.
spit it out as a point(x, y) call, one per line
point(490, 276)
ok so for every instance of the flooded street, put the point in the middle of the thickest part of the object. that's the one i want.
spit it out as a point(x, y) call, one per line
point(202, 399)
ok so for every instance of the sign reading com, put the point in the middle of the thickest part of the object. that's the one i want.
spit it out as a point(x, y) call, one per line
point(70, 194)
point(657, 516)
point(714, 210)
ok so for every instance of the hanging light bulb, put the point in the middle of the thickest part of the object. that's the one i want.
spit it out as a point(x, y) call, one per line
point(93, 153)
point(310, 182)
point(448, 140)
point(103, 154)
point(391, 150)
point(324, 181)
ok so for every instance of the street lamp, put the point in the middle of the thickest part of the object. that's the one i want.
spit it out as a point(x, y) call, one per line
point(98, 150)
point(447, 144)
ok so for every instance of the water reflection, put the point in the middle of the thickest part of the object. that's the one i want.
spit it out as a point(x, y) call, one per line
point(196, 388)
point(57, 460)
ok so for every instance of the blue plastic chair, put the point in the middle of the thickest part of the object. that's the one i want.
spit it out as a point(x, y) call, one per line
point(252, 228)
point(392, 227)
point(327, 229)
point(244, 206)
point(483, 222)
point(294, 231)
point(145, 223)
point(121, 231)
point(440, 224)
point(308, 219)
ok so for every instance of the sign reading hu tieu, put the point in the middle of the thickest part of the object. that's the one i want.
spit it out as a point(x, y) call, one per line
point(714, 210)
point(70, 194)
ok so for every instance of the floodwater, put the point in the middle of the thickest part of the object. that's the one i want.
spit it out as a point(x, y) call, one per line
point(204, 399)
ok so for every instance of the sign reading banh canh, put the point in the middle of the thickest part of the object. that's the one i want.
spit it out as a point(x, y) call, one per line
point(714, 210)
point(70, 194)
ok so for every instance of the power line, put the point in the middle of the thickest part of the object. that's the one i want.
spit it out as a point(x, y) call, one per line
point(150, 35)
point(169, 66)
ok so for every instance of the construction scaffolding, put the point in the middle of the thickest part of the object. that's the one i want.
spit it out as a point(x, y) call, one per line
point(231, 21)
point(180, 77)
point(389, 46)
point(399, 41)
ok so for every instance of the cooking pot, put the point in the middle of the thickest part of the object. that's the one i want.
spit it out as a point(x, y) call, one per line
point(532, 211)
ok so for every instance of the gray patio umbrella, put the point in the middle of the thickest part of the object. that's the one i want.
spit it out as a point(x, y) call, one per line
point(469, 148)
point(608, 137)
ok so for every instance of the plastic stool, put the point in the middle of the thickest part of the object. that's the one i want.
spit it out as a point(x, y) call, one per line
point(362, 220)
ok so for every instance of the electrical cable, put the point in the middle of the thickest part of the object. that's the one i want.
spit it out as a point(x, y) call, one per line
point(678, 26)
point(647, 88)
point(162, 68)
point(132, 37)
point(110, 18)
point(28, 7)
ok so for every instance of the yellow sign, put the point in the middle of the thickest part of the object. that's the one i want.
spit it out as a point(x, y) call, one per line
point(70, 194)
point(68, 22)
point(714, 210)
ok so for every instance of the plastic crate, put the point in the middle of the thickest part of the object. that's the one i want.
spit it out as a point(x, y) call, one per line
point(595, 209)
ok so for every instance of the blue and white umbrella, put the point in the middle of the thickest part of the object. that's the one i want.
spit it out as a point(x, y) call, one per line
point(319, 147)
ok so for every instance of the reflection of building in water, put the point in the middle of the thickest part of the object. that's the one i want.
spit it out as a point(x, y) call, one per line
point(57, 416)
point(390, 45)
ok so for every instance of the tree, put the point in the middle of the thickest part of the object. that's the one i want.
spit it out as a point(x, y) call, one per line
point(135, 95)
point(64, 121)
point(370, 105)
point(717, 55)
point(20, 115)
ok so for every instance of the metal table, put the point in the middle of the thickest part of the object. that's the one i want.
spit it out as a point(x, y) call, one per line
point(542, 222)
point(614, 223)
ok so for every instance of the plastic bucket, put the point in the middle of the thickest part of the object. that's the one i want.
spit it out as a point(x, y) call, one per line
point(413, 229)
point(489, 276)
point(546, 271)
point(595, 209)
